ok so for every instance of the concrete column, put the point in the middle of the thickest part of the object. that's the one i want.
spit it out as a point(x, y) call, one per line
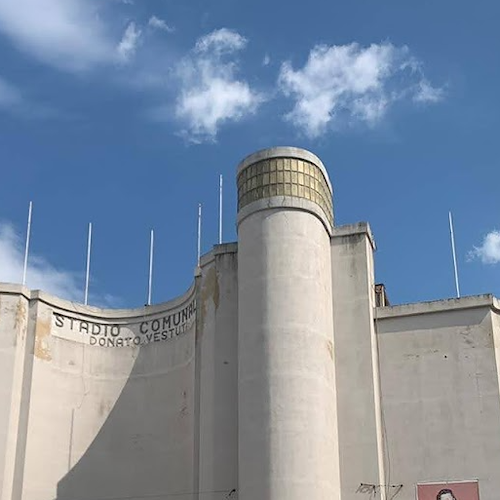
point(288, 442)
point(216, 374)
point(357, 365)
point(17, 332)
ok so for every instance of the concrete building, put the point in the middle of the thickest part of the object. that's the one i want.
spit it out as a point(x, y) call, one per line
point(281, 374)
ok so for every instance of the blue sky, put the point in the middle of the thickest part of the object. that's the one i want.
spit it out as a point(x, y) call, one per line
point(124, 113)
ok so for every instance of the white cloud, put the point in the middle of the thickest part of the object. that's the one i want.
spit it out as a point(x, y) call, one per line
point(40, 275)
point(63, 33)
point(344, 83)
point(128, 44)
point(217, 100)
point(266, 61)
point(221, 41)
point(489, 251)
point(211, 93)
point(156, 22)
point(425, 92)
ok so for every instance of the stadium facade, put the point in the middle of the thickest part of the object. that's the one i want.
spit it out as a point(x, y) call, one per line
point(281, 374)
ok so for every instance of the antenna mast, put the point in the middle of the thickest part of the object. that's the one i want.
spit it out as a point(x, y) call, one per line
point(26, 249)
point(220, 209)
point(454, 254)
point(150, 282)
point(199, 233)
point(87, 274)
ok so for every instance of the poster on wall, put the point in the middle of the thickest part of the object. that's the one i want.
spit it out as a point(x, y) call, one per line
point(457, 490)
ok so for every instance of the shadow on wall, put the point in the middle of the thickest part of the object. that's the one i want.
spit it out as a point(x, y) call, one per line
point(145, 448)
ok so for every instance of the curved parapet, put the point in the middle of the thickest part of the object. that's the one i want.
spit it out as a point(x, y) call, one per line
point(126, 327)
point(101, 401)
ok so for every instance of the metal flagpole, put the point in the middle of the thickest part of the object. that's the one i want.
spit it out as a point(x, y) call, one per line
point(199, 233)
point(454, 254)
point(220, 209)
point(151, 243)
point(26, 249)
point(87, 275)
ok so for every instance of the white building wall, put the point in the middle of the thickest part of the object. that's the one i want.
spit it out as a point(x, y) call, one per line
point(441, 401)
point(16, 347)
point(103, 422)
point(287, 414)
point(217, 374)
point(356, 362)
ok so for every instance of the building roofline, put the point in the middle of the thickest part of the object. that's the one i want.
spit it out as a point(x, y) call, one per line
point(352, 229)
point(437, 306)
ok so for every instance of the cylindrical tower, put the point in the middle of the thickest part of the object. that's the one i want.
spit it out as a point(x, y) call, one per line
point(288, 447)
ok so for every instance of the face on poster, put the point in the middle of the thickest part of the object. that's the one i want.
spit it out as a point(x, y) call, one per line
point(462, 490)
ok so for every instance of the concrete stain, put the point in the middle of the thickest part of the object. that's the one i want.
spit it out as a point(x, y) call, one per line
point(412, 356)
point(210, 291)
point(184, 406)
point(20, 313)
point(42, 349)
point(20, 319)
point(329, 347)
point(481, 339)
point(103, 407)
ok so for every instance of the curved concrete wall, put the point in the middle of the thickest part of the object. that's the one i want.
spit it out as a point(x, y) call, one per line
point(287, 402)
point(106, 400)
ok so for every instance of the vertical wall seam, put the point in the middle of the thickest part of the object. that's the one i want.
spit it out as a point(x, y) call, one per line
point(197, 390)
point(21, 441)
point(496, 344)
point(377, 394)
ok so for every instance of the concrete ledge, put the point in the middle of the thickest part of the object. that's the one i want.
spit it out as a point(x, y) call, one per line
point(352, 229)
point(221, 249)
point(96, 312)
point(287, 202)
point(15, 289)
point(225, 248)
point(436, 306)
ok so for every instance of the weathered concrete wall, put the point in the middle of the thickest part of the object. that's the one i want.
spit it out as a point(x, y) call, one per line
point(111, 402)
point(356, 361)
point(16, 347)
point(10, 331)
point(440, 393)
point(495, 317)
point(217, 374)
point(287, 414)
